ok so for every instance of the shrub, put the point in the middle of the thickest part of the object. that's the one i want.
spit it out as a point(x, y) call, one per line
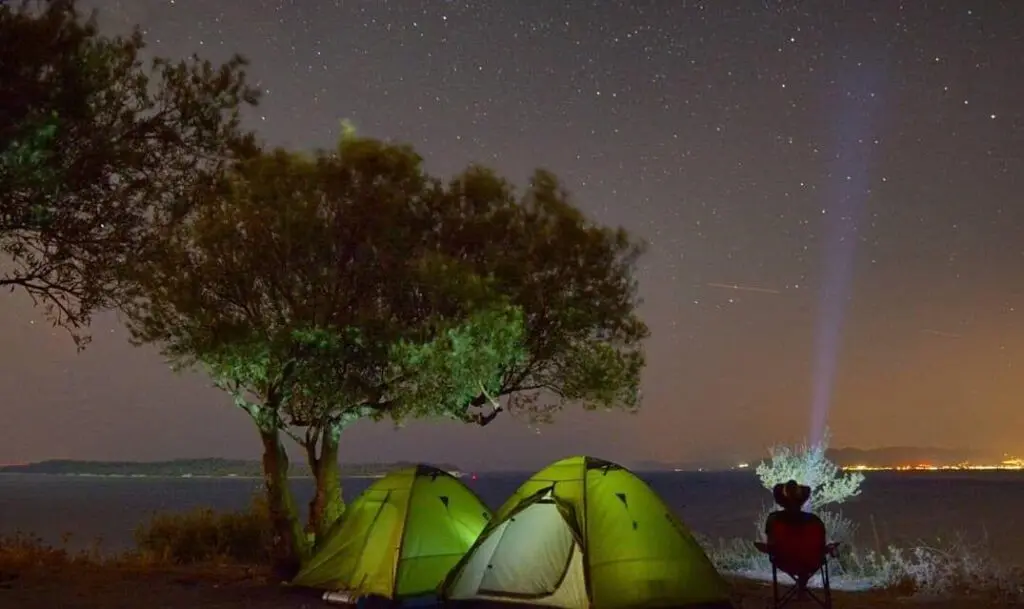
point(955, 569)
point(25, 550)
point(735, 556)
point(839, 527)
point(809, 465)
point(204, 535)
point(951, 569)
point(28, 550)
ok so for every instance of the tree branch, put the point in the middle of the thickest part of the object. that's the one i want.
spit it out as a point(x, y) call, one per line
point(480, 418)
point(291, 434)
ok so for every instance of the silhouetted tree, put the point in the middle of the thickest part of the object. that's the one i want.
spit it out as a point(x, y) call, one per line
point(96, 149)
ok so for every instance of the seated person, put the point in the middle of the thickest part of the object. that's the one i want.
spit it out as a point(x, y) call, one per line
point(797, 543)
point(790, 530)
point(791, 497)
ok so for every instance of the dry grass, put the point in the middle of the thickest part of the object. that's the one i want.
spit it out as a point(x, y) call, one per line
point(21, 551)
point(200, 537)
point(205, 536)
point(183, 566)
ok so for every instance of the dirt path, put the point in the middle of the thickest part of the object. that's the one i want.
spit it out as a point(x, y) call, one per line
point(109, 588)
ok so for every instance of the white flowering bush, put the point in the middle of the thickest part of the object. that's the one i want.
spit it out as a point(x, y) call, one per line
point(942, 569)
point(808, 465)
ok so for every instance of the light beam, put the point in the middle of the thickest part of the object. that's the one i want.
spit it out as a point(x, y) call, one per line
point(843, 210)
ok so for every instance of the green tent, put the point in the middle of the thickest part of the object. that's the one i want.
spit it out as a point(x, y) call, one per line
point(400, 537)
point(587, 534)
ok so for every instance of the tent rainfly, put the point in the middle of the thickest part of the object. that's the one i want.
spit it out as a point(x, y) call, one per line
point(585, 533)
point(399, 538)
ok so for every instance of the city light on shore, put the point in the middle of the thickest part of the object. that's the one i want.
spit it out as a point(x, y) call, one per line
point(1011, 464)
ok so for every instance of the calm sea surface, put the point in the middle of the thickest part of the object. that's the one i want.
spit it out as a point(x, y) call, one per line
point(895, 508)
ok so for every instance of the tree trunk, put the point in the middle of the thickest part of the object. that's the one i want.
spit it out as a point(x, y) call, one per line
point(327, 505)
point(289, 544)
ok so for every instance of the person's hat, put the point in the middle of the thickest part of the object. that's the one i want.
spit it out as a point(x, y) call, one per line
point(791, 495)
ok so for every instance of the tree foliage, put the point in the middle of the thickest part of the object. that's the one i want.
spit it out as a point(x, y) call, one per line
point(573, 280)
point(431, 372)
point(96, 148)
point(809, 465)
point(307, 287)
point(348, 284)
point(447, 372)
point(308, 278)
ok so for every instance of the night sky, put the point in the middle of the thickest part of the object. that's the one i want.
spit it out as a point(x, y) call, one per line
point(859, 164)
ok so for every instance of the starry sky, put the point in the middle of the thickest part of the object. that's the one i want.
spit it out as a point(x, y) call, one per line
point(832, 192)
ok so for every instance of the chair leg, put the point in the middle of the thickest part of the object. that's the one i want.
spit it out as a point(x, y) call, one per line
point(826, 585)
point(801, 591)
point(775, 587)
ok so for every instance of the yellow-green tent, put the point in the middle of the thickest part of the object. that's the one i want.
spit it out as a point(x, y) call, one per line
point(587, 534)
point(400, 537)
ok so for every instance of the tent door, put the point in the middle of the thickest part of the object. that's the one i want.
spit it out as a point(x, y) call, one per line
point(532, 554)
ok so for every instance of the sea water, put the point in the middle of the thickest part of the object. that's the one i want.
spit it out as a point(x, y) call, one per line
point(893, 508)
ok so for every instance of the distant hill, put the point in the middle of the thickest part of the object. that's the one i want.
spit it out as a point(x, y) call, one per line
point(190, 467)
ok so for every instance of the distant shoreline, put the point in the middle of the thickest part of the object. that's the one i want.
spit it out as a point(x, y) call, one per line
point(913, 460)
point(460, 474)
point(196, 468)
point(176, 477)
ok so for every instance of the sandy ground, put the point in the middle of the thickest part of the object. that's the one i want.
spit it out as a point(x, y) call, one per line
point(112, 588)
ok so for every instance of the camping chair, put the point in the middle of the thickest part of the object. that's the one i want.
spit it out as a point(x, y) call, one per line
point(799, 548)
